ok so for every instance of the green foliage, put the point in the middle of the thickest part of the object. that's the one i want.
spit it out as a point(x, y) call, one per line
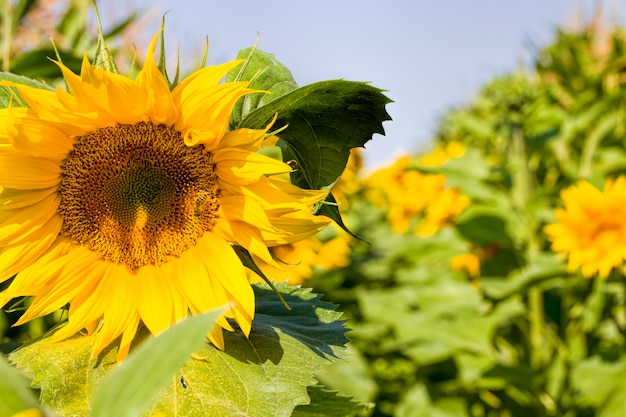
point(326, 403)
point(15, 392)
point(323, 122)
point(72, 36)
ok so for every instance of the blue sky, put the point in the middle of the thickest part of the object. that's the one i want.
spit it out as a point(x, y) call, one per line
point(429, 55)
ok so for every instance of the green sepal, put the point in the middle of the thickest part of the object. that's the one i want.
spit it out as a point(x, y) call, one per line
point(162, 61)
point(103, 58)
point(246, 259)
point(330, 209)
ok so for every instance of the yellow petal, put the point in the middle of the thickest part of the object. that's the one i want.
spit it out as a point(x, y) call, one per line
point(156, 90)
point(241, 167)
point(18, 170)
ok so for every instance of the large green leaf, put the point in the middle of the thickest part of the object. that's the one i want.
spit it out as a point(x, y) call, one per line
point(267, 74)
point(37, 64)
point(601, 385)
point(323, 122)
point(265, 374)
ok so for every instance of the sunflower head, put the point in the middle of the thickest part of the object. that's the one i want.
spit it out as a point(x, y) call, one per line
point(123, 198)
point(590, 228)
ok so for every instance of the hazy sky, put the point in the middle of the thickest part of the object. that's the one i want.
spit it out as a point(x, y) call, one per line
point(429, 55)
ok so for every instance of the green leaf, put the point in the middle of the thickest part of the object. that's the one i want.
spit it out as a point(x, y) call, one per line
point(350, 377)
point(266, 73)
point(323, 122)
point(266, 374)
point(601, 385)
point(485, 225)
point(36, 64)
point(327, 403)
point(417, 403)
point(15, 394)
point(125, 391)
point(7, 92)
point(543, 268)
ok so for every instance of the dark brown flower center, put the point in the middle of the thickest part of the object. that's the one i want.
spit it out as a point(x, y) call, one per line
point(136, 194)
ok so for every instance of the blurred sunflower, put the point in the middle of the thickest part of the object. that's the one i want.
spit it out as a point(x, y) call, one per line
point(298, 259)
point(123, 199)
point(590, 229)
point(410, 196)
point(469, 264)
point(442, 154)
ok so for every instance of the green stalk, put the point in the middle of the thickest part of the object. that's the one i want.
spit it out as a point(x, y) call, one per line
point(7, 29)
point(521, 193)
point(594, 138)
point(536, 308)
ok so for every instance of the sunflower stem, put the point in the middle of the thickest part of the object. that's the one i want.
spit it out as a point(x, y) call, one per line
point(591, 145)
point(521, 191)
point(248, 262)
point(619, 317)
point(7, 29)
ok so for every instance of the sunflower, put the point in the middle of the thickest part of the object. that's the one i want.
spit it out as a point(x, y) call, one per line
point(590, 228)
point(123, 199)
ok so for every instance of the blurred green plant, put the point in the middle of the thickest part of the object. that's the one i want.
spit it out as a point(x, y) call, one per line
point(431, 335)
point(28, 29)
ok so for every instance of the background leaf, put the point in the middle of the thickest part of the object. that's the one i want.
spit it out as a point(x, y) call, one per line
point(601, 385)
point(7, 92)
point(15, 393)
point(327, 403)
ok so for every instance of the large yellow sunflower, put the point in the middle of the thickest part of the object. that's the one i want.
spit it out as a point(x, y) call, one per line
point(591, 228)
point(123, 198)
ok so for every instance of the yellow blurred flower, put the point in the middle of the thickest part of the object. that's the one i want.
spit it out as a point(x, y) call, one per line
point(466, 262)
point(591, 229)
point(410, 195)
point(31, 412)
point(298, 259)
point(442, 154)
point(350, 182)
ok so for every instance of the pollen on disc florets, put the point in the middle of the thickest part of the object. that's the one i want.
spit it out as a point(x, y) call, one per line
point(136, 194)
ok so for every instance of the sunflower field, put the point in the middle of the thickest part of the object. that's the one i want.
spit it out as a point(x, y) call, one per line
point(483, 277)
